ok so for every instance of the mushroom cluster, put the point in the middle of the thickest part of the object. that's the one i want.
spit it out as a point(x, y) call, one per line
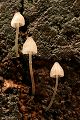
point(30, 48)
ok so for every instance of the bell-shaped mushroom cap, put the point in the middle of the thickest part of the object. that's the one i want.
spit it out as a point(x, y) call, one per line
point(17, 18)
point(29, 46)
point(56, 70)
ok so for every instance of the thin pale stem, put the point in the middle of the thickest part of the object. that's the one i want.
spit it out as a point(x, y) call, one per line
point(16, 39)
point(53, 97)
point(31, 74)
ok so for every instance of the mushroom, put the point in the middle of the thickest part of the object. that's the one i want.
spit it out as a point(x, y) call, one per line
point(56, 72)
point(30, 47)
point(17, 21)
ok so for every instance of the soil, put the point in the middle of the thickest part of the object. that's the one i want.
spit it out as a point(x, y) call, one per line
point(16, 99)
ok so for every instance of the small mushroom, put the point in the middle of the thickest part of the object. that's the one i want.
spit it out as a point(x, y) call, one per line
point(17, 21)
point(56, 72)
point(30, 47)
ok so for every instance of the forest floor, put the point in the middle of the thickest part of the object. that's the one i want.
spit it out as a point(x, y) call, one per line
point(16, 101)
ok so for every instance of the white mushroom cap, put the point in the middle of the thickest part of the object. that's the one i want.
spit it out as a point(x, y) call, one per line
point(17, 18)
point(29, 46)
point(56, 70)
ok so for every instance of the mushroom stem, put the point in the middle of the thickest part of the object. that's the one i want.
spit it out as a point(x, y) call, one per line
point(16, 39)
point(31, 73)
point(53, 97)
